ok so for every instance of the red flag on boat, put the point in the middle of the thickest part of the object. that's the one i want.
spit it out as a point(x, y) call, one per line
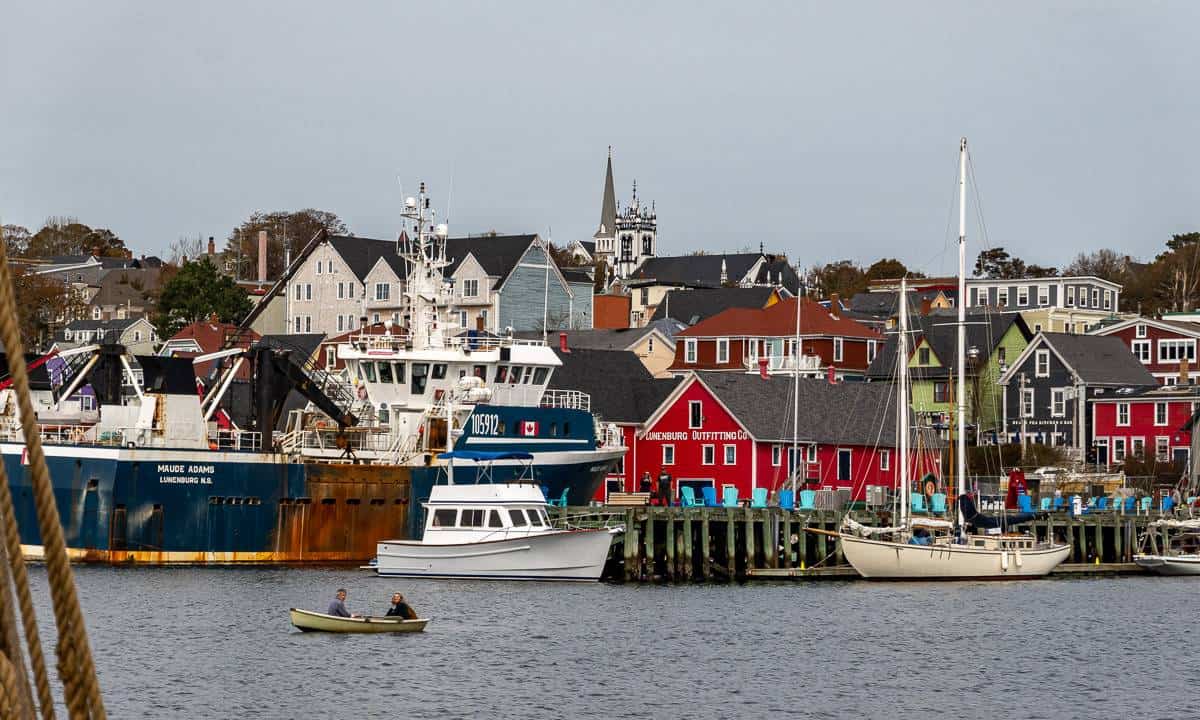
point(529, 428)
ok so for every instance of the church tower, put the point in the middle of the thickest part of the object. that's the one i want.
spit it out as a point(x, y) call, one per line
point(606, 234)
point(637, 235)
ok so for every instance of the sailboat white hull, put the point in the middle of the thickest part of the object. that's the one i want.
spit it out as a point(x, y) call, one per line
point(1170, 564)
point(900, 561)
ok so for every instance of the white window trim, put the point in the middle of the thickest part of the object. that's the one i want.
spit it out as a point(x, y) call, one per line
point(384, 289)
point(1058, 396)
point(722, 350)
point(689, 351)
point(698, 404)
point(708, 454)
point(1001, 297)
point(1139, 330)
point(837, 349)
point(725, 454)
point(1022, 296)
point(776, 455)
point(1095, 297)
point(1117, 442)
point(1043, 296)
point(1162, 442)
point(885, 460)
point(811, 454)
point(1070, 301)
point(668, 449)
point(468, 283)
point(838, 466)
point(1028, 409)
point(1136, 347)
point(1122, 406)
point(1188, 345)
point(1166, 414)
point(1134, 442)
point(871, 350)
point(1037, 363)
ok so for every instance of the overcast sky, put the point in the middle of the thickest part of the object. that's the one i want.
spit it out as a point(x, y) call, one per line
point(825, 130)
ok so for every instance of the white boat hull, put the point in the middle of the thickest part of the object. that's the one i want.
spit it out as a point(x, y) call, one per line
point(1170, 564)
point(577, 555)
point(901, 561)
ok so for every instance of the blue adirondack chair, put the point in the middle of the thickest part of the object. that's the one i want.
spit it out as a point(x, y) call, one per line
point(687, 497)
point(808, 499)
point(1130, 504)
point(710, 496)
point(1059, 502)
point(546, 493)
point(729, 497)
point(787, 499)
point(1103, 504)
point(1168, 503)
point(937, 503)
point(1025, 503)
point(1091, 502)
point(1044, 504)
point(918, 503)
point(759, 498)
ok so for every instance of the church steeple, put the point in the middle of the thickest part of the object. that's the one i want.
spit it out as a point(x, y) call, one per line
point(608, 208)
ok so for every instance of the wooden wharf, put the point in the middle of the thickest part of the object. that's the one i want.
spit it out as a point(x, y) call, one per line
point(703, 544)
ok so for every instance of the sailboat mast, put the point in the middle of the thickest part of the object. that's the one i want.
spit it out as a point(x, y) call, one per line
point(796, 395)
point(960, 469)
point(902, 406)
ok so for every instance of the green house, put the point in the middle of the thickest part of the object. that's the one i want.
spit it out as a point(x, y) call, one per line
point(993, 341)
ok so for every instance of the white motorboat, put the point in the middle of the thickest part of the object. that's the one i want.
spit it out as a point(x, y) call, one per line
point(976, 546)
point(1169, 564)
point(1163, 540)
point(495, 531)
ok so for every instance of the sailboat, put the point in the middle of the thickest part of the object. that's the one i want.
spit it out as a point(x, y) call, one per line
point(973, 545)
point(1180, 547)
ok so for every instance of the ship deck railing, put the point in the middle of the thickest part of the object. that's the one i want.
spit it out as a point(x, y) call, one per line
point(75, 434)
point(395, 342)
point(567, 400)
point(370, 439)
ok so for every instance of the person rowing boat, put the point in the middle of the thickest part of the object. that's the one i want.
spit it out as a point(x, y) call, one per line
point(400, 608)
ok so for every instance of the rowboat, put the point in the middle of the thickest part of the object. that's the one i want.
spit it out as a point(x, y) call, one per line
point(309, 621)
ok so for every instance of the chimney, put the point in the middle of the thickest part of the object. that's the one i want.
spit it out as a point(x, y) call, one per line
point(835, 305)
point(212, 246)
point(1183, 371)
point(562, 343)
point(262, 256)
point(926, 306)
point(832, 378)
point(762, 368)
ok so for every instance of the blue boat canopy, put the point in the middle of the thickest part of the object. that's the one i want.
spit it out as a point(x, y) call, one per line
point(484, 455)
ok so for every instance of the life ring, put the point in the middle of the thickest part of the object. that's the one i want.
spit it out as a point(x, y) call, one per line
point(930, 488)
point(362, 392)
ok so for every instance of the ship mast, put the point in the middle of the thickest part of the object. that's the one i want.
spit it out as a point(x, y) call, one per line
point(424, 254)
point(902, 407)
point(960, 410)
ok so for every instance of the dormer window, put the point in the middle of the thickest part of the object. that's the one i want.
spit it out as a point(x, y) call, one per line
point(1140, 330)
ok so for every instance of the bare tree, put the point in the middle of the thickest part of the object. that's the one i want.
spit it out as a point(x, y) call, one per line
point(186, 248)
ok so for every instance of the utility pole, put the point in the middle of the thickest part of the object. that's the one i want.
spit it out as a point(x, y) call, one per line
point(1024, 417)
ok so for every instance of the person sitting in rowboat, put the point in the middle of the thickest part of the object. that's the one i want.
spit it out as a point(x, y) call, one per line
point(400, 608)
point(337, 606)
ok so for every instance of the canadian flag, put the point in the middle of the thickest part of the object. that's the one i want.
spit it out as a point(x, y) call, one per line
point(529, 427)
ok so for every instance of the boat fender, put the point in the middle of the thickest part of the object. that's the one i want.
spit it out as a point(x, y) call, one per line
point(141, 438)
point(1003, 559)
point(1017, 557)
point(930, 488)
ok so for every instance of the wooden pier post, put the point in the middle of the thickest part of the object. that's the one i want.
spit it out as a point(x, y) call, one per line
point(649, 559)
point(670, 543)
point(730, 543)
point(749, 524)
point(631, 546)
point(787, 539)
point(687, 564)
point(705, 547)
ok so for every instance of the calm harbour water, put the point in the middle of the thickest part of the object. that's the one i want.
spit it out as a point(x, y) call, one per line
point(217, 643)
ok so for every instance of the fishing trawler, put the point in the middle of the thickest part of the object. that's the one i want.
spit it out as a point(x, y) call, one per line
point(147, 468)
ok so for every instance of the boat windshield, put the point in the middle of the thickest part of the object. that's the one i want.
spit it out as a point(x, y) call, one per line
point(518, 518)
point(535, 518)
point(444, 517)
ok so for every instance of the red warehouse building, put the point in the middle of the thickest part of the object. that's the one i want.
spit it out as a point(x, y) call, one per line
point(735, 429)
point(1166, 347)
point(738, 338)
point(1144, 423)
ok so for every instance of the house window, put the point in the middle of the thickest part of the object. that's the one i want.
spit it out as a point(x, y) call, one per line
point(1171, 380)
point(708, 455)
point(752, 351)
point(137, 335)
point(1002, 356)
point(308, 323)
point(375, 318)
point(689, 351)
point(1118, 447)
point(941, 391)
point(722, 350)
point(1070, 296)
point(812, 453)
point(299, 291)
point(870, 350)
point(843, 465)
point(1002, 297)
point(885, 460)
point(1176, 350)
point(731, 454)
point(95, 312)
point(650, 345)
point(1160, 413)
point(331, 356)
point(1141, 350)
point(776, 455)
point(668, 455)
point(695, 415)
point(87, 403)
point(308, 291)
point(1083, 297)
point(644, 297)
point(1137, 447)
point(1027, 402)
point(1162, 448)
point(471, 288)
point(1043, 295)
point(341, 323)
point(1107, 300)
point(341, 291)
point(1022, 296)
point(1123, 414)
point(1139, 330)
point(1042, 363)
point(837, 349)
point(1095, 298)
point(923, 356)
point(318, 267)
point(350, 290)
point(1058, 402)
point(297, 324)
point(383, 291)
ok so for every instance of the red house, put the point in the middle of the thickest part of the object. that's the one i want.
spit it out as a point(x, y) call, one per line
point(1144, 423)
point(739, 338)
point(724, 429)
point(1166, 347)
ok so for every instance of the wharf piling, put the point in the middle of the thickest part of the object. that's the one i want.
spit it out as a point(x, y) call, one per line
point(702, 544)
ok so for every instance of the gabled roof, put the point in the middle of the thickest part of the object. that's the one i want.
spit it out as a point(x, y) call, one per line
point(885, 303)
point(589, 246)
point(361, 254)
point(848, 413)
point(115, 324)
point(779, 271)
point(598, 339)
point(497, 254)
point(621, 388)
point(698, 270)
point(985, 330)
point(1183, 327)
point(1096, 359)
point(779, 320)
point(577, 275)
point(692, 306)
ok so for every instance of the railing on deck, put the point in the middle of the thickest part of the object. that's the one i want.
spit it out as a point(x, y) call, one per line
point(396, 342)
point(784, 363)
point(567, 400)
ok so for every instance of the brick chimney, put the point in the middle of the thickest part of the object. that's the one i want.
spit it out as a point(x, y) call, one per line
point(835, 305)
point(562, 343)
point(762, 368)
point(262, 256)
point(212, 246)
point(1183, 371)
point(926, 306)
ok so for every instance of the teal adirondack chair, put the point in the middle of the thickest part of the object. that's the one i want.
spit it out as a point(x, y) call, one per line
point(1044, 504)
point(937, 503)
point(560, 502)
point(1146, 503)
point(918, 503)
point(787, 499)
point(729, 497)
point(687, 497)
point(808, 499)
point(759, 498)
